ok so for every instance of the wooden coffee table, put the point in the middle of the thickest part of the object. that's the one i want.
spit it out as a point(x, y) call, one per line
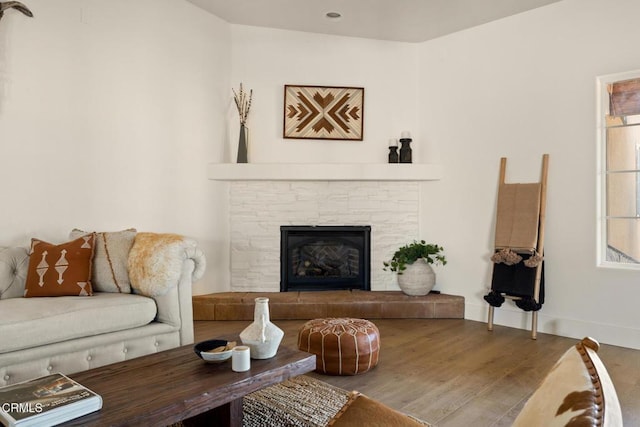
point(176, 385)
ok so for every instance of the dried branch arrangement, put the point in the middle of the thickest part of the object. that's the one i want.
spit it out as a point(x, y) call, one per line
point(243, 103)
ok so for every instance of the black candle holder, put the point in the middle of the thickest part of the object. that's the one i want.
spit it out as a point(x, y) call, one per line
point(393, 154)
point(405, 150)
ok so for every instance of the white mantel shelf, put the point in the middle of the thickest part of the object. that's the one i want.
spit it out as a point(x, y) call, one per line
point(324, 172)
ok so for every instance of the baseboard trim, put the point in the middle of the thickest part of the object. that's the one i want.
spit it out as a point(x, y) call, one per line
point(515, 318)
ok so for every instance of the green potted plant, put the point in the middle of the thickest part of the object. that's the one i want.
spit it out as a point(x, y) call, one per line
point(412, 263)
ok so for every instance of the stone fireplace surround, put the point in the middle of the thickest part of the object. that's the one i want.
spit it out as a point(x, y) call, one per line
point(262, 197)
point(257, 209)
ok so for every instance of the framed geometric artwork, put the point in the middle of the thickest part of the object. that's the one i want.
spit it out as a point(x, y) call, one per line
point(321, 112)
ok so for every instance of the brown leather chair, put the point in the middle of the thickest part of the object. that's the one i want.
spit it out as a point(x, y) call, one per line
point(577, 392)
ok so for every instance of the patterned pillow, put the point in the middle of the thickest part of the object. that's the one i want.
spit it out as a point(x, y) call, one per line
point(110, 270)
point(57, 270)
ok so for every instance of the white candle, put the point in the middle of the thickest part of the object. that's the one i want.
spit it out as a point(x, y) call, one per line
point(405, 134)
point(393, 142)
point(240, 358)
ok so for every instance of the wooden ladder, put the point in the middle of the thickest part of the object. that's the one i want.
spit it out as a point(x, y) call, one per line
point(540, 243)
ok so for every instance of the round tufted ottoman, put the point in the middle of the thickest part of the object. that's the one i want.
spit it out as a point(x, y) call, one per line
point(342, 346)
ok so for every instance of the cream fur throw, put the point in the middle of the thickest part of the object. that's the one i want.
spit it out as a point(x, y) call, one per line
point(155, 262)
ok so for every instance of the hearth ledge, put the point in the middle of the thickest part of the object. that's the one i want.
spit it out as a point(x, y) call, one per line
point(345, 303)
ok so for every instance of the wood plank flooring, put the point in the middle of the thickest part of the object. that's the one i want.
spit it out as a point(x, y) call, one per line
point(453, 372)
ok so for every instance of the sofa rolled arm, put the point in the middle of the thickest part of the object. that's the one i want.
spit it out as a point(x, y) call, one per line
point(156, 262)
point(195, 253)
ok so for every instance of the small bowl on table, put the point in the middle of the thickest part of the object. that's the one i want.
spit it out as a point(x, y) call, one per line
point(203, 350)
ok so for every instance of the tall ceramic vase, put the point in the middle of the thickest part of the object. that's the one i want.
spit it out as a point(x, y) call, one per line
point(242, 144)
point(418, 279)
point(262, 336)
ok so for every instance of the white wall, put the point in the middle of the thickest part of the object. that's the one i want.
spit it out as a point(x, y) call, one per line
point(518, 88)
point(109, 113)
point(267, 59)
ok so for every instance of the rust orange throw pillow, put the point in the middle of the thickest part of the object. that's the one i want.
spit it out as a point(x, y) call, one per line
point(57, 270)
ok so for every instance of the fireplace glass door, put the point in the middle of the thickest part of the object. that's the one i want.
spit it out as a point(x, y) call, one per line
point(324, 258)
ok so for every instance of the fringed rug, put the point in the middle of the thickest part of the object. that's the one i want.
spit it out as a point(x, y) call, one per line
point(298, 402)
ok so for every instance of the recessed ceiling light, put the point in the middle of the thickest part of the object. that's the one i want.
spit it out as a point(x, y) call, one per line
point(334, 16)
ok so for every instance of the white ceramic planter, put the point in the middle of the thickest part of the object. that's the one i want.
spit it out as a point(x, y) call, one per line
point(418, 279)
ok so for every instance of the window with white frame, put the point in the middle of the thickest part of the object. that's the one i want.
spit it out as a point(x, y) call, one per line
point(619, 164)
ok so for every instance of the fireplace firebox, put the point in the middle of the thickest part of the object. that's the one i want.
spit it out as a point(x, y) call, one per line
point(315, 258)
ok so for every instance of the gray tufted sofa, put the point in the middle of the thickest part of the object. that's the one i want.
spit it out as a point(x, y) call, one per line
point(65, 334)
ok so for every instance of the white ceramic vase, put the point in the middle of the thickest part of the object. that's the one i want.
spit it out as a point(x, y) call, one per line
point(262, 336)
point(418, 279)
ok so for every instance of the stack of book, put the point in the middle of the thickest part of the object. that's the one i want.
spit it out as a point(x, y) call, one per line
point(46, 401)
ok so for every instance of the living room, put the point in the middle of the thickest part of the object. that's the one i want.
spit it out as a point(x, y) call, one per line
point(111, 113)
point(85, 87)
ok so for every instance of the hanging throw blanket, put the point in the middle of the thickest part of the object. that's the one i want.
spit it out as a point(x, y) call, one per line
point(516, 280)
point(517, 218)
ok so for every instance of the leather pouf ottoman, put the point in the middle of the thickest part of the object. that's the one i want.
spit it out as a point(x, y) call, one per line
point(343, 346)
